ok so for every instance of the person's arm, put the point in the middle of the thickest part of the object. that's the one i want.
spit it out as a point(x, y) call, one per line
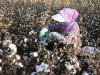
point(57, 36)
point(50, 28)
point(42, 32)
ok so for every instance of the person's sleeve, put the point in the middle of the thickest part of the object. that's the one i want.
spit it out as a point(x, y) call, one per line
point(43, 32)
point(55, 28)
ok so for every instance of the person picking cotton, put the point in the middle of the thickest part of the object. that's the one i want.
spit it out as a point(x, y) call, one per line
point(67, 31)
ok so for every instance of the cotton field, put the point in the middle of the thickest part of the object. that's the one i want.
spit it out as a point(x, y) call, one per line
point(22, 53)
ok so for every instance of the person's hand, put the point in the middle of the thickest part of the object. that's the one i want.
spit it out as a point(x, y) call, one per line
point(48, 35)
point(41, 37)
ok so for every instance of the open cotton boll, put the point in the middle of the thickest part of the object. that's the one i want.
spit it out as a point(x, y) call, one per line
point(30, 33)
point(47, 70)
point(7, 42)
point(85, 73)
point(25, 57)
point(0, 60)
point(69, 57)
point(33, 73)
point(13, 49)
point(38, 68)
point(58, 58)
point(25, 40)
point(13, 61)
point(74, 71)
point(17, 57)
point(1, 51)
point(35, 54)
point(20, 64)
point(7, 33)
point(44, 65)
point(69, 67)
point(88, 50)
point(76, 65)
point(0, 68)
point(36, 40)
point(73, 60)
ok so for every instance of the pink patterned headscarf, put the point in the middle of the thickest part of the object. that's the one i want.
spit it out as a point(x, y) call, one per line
point(69, 15)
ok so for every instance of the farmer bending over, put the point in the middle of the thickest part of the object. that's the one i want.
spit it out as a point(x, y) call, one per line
point(67, 31)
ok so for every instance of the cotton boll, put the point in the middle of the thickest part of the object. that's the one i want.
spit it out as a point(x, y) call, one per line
point(69, 57)
point(0, 60)
point(47, 70)
point(1, 51)
point(35, 54)
point(38, 68)
point(7, 42)
point(20, 64)
point(13, 47)
point(75, 45)
point(13, 61)
point(88, 50)
point(73, 60)
point(7, 33)
point(0, 68)
point(25, 40)
point(74, 71)
point(58, 58)
point(17, 57)
point(36, 40)
point(44, 66)
point(76, 65)
point(33, 73)
point(30, 33)
point(25, 57)
point(85, 73)
point(69, 66)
